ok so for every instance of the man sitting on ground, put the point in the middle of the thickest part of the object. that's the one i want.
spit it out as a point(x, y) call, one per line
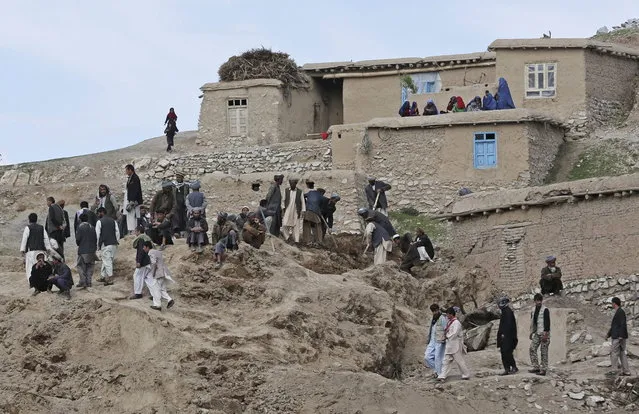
point(61, 278)
point(224, 235)
point(197, 228)
point(550, 282)
point(160, 230)
point(40, 273)
point(419, 251)
point(253, 232)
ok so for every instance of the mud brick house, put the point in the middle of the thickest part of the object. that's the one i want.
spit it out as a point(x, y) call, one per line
point(585, 223)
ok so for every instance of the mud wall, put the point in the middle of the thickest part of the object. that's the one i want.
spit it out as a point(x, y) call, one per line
point(590, 239)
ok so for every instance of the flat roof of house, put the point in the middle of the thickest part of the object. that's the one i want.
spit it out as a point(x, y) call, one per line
point(502, 201)
point(318, 69)
point(566, 43)
point(219, 86)
point(466, 118)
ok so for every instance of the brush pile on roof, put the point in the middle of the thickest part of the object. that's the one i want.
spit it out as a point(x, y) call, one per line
point(263, 63)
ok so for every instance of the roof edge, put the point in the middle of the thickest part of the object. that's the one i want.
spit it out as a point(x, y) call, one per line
point(219, 86)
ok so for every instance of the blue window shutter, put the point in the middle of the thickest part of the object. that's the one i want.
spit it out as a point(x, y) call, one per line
point(430, 87)
point(480, 158)
point(491, 153)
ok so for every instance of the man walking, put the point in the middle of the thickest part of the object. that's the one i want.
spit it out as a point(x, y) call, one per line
point(376, 195)
point(619, 334)
point(55, 224)
point(274, 204)
point(34, 242)
point(539, 336)
point(294, 205)
point(507, 337)
point(454, 347)
point(108, 234)
point(142, 262)
point(158, 277)
point(434, 355)
point(86, 239)
point(132, 198)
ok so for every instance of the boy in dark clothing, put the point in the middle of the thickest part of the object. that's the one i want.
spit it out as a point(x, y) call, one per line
point(160, 230)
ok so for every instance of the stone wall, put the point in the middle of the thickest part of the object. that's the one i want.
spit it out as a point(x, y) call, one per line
point(610, 87)
point(588, 238)
point(544, 141)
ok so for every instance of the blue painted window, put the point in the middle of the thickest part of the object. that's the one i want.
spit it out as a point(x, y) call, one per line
point(485, 152)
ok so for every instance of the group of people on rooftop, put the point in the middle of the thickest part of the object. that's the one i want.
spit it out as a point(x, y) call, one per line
point(501, 100)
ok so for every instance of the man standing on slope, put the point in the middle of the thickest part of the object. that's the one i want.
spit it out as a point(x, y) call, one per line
point(274, 204)
point(507, 337)
point(619, 334)
point(434, 355)
point(132, 198)
point(142, 262)
point(455, 348)
point(294, 206)
point(86, 239)
point(108, 234)
point(34, 241)
point(55, 224)
point(539, 335)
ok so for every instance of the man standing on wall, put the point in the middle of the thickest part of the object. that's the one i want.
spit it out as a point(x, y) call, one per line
point(274, 204)
point(619, 334)
point(376, 195)
point(108, 234)
point(132, 198)
point(539, 335)
point(294, 205)
point(507, 337)
point(550, 282)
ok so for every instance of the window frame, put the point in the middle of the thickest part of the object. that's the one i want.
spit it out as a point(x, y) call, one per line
point(484, 141)
point(237, 104)
point(536, 89)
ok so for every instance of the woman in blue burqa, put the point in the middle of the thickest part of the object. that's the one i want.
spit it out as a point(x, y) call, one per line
point(490, 104)
point(505, 98)
point(405, 109)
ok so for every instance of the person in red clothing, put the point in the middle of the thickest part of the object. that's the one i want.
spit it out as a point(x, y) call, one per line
point(171, 116)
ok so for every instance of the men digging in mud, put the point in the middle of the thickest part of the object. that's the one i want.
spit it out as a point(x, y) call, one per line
point(376, 195)
point(377, 237)
point(34, 241)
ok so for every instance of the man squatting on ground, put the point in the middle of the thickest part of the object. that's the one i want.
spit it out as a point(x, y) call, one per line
point(34, 241)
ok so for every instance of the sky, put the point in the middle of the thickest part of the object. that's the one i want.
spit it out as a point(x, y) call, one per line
point(81, 76)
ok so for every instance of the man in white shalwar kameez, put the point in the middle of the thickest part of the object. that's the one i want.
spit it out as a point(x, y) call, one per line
point(35, 240)
point(454, 347)
point(294, 207)
point(377, 237)
point(158, 277)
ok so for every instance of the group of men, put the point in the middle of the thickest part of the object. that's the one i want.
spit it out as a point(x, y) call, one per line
point(445, 340)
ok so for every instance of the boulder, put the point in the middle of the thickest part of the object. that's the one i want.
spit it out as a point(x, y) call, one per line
point(476, 339)
point(593, 400)
point(602, 30)
point(577, 395)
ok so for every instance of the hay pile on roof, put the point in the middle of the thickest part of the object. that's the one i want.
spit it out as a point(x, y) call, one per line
point(263, 63)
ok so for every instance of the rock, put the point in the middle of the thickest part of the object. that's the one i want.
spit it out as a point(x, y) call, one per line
point(476, 339)
point(575, 337)
point(602, 30)
point(22, 179)
point(604, 364)
point(576, 395)
point(85, 172)
point(593, 400)
point(9, 177)
point(163, 163)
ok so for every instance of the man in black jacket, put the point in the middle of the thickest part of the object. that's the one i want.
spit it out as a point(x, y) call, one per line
point(84, 208)
point(87, 241)
point(67, 227)
point(619, 334)
point(507, 337)
point(131, 205)
point(55, 224)
point(376, 195)
point(108, 234)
